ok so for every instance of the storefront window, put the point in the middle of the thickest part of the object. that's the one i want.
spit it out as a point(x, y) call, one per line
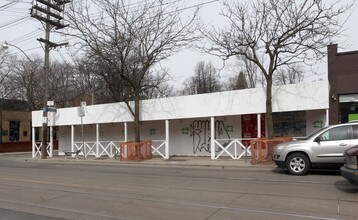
point(348, 108)
point(289, 124)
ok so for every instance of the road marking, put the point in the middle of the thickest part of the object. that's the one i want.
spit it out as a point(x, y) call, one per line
point(64, 184)
point(140, 198)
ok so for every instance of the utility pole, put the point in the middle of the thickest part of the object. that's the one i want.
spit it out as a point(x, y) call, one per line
point(51, 13)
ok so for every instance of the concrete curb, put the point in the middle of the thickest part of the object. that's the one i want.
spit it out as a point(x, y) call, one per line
point(197, 162)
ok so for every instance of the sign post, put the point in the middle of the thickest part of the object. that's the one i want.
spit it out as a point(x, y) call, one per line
point(81, 113)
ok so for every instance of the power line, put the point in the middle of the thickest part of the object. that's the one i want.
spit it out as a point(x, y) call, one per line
point(13, 22)
point(7, 5)
point(29, 36)
point(15, 10)
point(136, 3)
point(34, 48)
point(161, 3)
point(9, 8)
point(26, 37)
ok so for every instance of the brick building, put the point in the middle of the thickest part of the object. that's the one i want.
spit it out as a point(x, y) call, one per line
point(343, 80)
point(15, 118)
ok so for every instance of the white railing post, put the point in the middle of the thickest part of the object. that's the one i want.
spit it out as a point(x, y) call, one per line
point(33, 143)
point(258, 125)
point(212, 136)
point(72, 138)
point(97, 140)
point(166, 139)
point(327, 117)
point(51, 141)
point(125, 132)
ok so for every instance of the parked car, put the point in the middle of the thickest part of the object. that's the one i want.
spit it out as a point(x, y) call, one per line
point(324, 148)
point(350, 168)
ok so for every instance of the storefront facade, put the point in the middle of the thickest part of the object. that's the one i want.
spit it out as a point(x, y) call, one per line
point(15, 121)
point(186, 125)
point(343, 79)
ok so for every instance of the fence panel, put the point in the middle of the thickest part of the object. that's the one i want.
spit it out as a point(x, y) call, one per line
point(262, 149)
point(136, 150)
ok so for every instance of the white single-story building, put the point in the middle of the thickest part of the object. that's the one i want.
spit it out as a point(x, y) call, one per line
point(185, 125)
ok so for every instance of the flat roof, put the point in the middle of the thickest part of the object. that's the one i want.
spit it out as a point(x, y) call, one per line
point(293, 97)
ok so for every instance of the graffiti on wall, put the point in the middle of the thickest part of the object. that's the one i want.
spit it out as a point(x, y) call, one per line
point(200, 132)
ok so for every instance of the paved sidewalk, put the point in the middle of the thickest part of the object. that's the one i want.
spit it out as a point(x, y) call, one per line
point(174, 161)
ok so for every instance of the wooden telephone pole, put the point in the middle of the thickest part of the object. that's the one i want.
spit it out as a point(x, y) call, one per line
point(51, 13)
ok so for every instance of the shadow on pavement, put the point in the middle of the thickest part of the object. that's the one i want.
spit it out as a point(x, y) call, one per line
point(347, 187)
point(326, 172)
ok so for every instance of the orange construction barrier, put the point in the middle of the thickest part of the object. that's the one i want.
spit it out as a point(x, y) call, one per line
point(136, 150)
point(262, 149)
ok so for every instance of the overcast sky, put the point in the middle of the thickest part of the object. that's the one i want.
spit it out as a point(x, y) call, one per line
point(18, 28)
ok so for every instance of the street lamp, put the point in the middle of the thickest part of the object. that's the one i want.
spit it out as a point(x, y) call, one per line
point(6, 46)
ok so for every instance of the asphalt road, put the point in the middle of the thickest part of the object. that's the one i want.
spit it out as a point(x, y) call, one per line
point(57, 190)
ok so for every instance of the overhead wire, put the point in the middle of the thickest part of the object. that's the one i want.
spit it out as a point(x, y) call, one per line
point(28, 36)
point(63, 57)
point(162, 3)
point(13, 22)
point(9, 7)
point(15, 10)
point(26, 50)
point(132, 4)
point(2, 7)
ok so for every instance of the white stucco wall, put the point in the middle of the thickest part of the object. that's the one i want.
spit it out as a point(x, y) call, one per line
point(312, 117)
point(191, 113)
point(187, 136)
point(196, 142)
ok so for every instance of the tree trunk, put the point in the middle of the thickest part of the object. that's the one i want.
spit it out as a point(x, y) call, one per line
point(136, 118)
point(268, 116)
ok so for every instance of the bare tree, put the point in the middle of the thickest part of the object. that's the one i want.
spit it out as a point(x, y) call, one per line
point(237, 82)
point(87, 78)
point(4, 73)
point(4, 90)
point(62, 83)
point(162, 90)
point(243, 69)
point(276, 33)
point(290, 75)
point(130, 39)
point(250, 70)
point(26, 81)
point(206, 79)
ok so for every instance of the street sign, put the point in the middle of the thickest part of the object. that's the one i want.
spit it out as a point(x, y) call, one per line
point(49, 109)
point(81, 112)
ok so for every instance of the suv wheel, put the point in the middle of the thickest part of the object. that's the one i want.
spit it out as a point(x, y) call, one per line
point(297, 164)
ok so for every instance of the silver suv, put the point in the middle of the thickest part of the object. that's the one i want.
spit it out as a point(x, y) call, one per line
point(324, 148)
